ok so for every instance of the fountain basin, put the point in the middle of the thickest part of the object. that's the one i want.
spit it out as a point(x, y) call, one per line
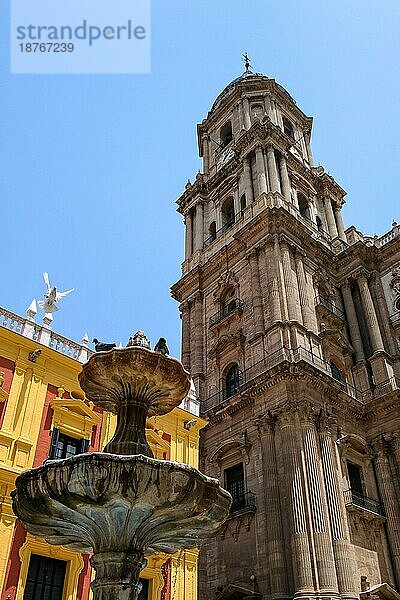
point(104, 503)
point(134, 383)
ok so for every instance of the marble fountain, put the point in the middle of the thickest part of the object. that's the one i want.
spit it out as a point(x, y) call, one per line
point(122, 504)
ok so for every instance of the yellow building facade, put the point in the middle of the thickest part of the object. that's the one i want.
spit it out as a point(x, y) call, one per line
point(44, 414)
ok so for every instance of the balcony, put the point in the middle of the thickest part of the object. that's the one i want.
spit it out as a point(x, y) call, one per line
point(328, 305)
point(243, 502)
point(231, 307)
point(354, 500)
point(268, 362)
point(222, 230)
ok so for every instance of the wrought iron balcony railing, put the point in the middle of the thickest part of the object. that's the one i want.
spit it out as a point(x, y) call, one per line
point(231, 221)
point(226, 310)
point(360, 501)
point(283, 355)
point(245, 501)
point(321, 301)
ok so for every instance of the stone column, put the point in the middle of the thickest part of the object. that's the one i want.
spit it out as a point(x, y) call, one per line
point(206, 155)
point(300, 547)
point(383, 311)
point(370, 314)
point(313, 210)
point(188, 234)
point(273, 283)
point(342, 549)
point(390, 502)
point(261, 174)
point(306, 303)
point(246, 113)
point(285, 178)
point(291, 288)
point(339, 223)
point(395, 444)
point(295, 198)
point(248, 180)
point(240, 114)
point(275, 539)
point(352, 321)
point(281, 283)
point(258, 313)
point(199, 225)
point(325, 562)
point(272, 170)
point(185, 317)
point(199, 325)
point(307, 139)
point(236, 202)
point(330, 217)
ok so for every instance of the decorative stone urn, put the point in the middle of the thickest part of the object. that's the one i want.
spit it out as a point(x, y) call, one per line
point(124, 504)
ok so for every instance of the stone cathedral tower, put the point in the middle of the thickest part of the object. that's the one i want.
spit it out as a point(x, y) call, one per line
point(290, 328)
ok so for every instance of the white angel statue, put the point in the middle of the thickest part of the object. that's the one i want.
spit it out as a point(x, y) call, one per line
point(52, 296)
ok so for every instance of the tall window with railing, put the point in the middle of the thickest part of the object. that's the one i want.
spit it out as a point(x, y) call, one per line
point(234, 484)
point(288, 128)
point(232, 381)
point(303, 206)
point(355, 478)
point(228, 212)
point(336, 372)
point(226, 135)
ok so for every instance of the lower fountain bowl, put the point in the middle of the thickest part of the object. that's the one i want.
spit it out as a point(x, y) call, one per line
point(108, 503)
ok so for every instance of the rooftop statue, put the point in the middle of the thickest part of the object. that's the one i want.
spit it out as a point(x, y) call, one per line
point(52, 296)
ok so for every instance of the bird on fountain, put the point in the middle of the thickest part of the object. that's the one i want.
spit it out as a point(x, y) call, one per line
point(161, 347)
point(101, 347)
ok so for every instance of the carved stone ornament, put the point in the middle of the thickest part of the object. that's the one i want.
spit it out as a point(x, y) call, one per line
point(395, 286)
point(226, 280)
point(241, 447)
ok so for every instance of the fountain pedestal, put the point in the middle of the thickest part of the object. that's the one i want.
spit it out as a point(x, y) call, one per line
point(124, 504)
point(117, 575)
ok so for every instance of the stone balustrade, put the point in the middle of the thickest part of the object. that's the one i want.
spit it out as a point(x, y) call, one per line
point(43, 335)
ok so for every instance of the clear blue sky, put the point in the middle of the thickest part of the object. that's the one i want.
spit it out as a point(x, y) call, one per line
point(91, 165)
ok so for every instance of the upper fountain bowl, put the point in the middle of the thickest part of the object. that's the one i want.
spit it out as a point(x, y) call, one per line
point(109, 378)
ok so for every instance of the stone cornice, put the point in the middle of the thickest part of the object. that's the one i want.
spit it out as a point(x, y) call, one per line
point(328, 186)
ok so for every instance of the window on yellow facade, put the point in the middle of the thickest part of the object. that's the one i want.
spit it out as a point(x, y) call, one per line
point(144, 594)
point(45, 580)
point(64, 446)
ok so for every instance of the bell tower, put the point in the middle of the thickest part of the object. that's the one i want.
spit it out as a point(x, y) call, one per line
point(286, 332)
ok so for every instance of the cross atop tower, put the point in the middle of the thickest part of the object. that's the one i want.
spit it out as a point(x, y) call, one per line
point(247, 62)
